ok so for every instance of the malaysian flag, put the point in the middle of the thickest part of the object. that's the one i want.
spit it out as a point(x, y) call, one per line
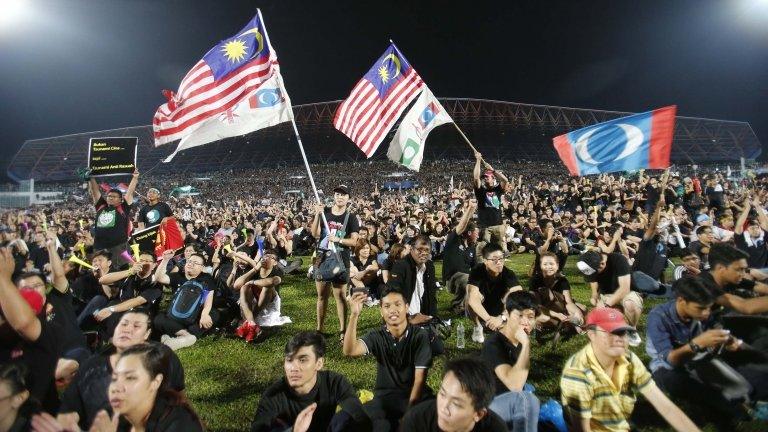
point(232, 77)
point(378, 100)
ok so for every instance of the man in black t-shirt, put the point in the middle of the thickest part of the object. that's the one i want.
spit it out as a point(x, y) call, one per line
point(489, 191)
point(155, 211)
point(113, 218)
point(459, 256)
point(342, 237)
point(487, 286)
point(610, 280)
point(308, 388)
point(403, 356)
point(178, 332)
point(137, 288)
point(461, 405)
point(507, 353)
point(753, 239)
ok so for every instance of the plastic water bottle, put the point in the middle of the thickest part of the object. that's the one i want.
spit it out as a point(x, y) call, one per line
point(460, 336)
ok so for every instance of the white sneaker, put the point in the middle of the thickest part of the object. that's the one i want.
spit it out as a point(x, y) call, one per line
point(186, 341)
point(170, 342)
point(477, 334)
point(164, 338)
point(634, 339)
point(371, 302)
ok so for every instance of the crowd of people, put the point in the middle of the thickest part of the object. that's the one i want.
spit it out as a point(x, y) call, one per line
point(84, 313)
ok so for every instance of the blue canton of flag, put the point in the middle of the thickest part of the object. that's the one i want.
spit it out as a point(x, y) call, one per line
point(389, 69)
point(238, 50)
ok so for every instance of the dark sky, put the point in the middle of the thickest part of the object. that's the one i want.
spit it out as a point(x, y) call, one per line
point(69, 66)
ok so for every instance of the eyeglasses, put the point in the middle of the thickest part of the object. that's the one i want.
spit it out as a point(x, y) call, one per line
point(623, 333)
point(193, 263)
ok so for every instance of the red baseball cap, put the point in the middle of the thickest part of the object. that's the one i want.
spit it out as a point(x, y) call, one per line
point(608, 319)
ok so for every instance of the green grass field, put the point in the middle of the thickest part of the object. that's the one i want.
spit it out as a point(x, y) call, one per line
point(225, 376)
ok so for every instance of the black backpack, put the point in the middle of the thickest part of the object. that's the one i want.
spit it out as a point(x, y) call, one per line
point(187, 302)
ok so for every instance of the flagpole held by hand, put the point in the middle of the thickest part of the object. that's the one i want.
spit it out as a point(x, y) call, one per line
point(474, 150)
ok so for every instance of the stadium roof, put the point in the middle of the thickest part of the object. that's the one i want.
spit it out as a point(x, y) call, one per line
point(500, 130)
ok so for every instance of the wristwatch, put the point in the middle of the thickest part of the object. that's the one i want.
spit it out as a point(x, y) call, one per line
point(695, 347)
point(112, 309)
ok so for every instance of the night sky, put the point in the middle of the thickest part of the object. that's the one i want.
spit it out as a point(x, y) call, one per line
point(69, 66)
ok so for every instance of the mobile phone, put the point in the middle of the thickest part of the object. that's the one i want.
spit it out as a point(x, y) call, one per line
point(356, 290)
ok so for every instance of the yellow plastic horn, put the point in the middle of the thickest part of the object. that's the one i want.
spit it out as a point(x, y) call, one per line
point(82, 249)
point(135, 249)
point(81, 223)
point(80, 262)
point(228, 248)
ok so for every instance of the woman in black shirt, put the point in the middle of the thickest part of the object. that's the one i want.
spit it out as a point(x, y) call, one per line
point(554, 293)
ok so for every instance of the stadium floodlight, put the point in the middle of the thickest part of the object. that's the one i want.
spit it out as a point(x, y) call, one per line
point(11, 11)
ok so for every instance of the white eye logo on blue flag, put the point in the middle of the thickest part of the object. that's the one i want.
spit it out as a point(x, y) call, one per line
point(624, 144)
point(429, 113)
point(265, 98)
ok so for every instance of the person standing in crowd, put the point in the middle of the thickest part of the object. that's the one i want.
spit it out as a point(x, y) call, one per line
point(88, 393)
point(489, 191)
point(343, 235)
point(113, 216)
point(191, 312)
point(462, 402)
point(600, 382)
point(308, 387)
point(403, 356)
point(155, 211)
point(459, 256)
point(508, 354)
point(487, 286)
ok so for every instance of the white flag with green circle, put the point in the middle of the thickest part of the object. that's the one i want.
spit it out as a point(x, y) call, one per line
point(407, 146)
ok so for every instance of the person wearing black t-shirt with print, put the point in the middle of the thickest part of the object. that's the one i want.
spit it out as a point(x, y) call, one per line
point(27, 337)
point(113, 218)
point(403, 356)
point(462, 402)
point(175, 332)
point(343, 237)
point(308, 390)
point(488, 192)
point(87, 395)
point(487, 286)
point(508, 354)
point(137, 289)
point(155, 211)
point(459, 256)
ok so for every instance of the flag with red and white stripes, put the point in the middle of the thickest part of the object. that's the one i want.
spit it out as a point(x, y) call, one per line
point(378, 100)
point(221, 95)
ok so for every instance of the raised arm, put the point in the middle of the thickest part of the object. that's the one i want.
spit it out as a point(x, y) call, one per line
point(93, 188)
point(738, 229)
point(131, 188)
point(16, 310)
point(467, 212)
point(60, 282)
point(161, 275)
point(354, 347)
point(476, 170)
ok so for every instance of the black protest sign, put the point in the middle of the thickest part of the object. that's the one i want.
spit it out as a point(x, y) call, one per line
point(146, 239)
point(112, 156)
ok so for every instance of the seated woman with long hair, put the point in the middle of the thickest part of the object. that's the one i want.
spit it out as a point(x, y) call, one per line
point(364, 270)
point(141, 398)
point(558, 310)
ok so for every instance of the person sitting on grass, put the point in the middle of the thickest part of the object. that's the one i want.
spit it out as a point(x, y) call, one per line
point(553, 290)
point(364, 270)
point(462, 402)
point(508, 354)
point(259, 296)
point(308, 389)
point(487, 286)
point(191, 311)
point(403, 356)
point(87, 395)
point(600, 382)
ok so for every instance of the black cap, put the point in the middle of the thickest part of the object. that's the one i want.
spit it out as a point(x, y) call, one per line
point(342, 189)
